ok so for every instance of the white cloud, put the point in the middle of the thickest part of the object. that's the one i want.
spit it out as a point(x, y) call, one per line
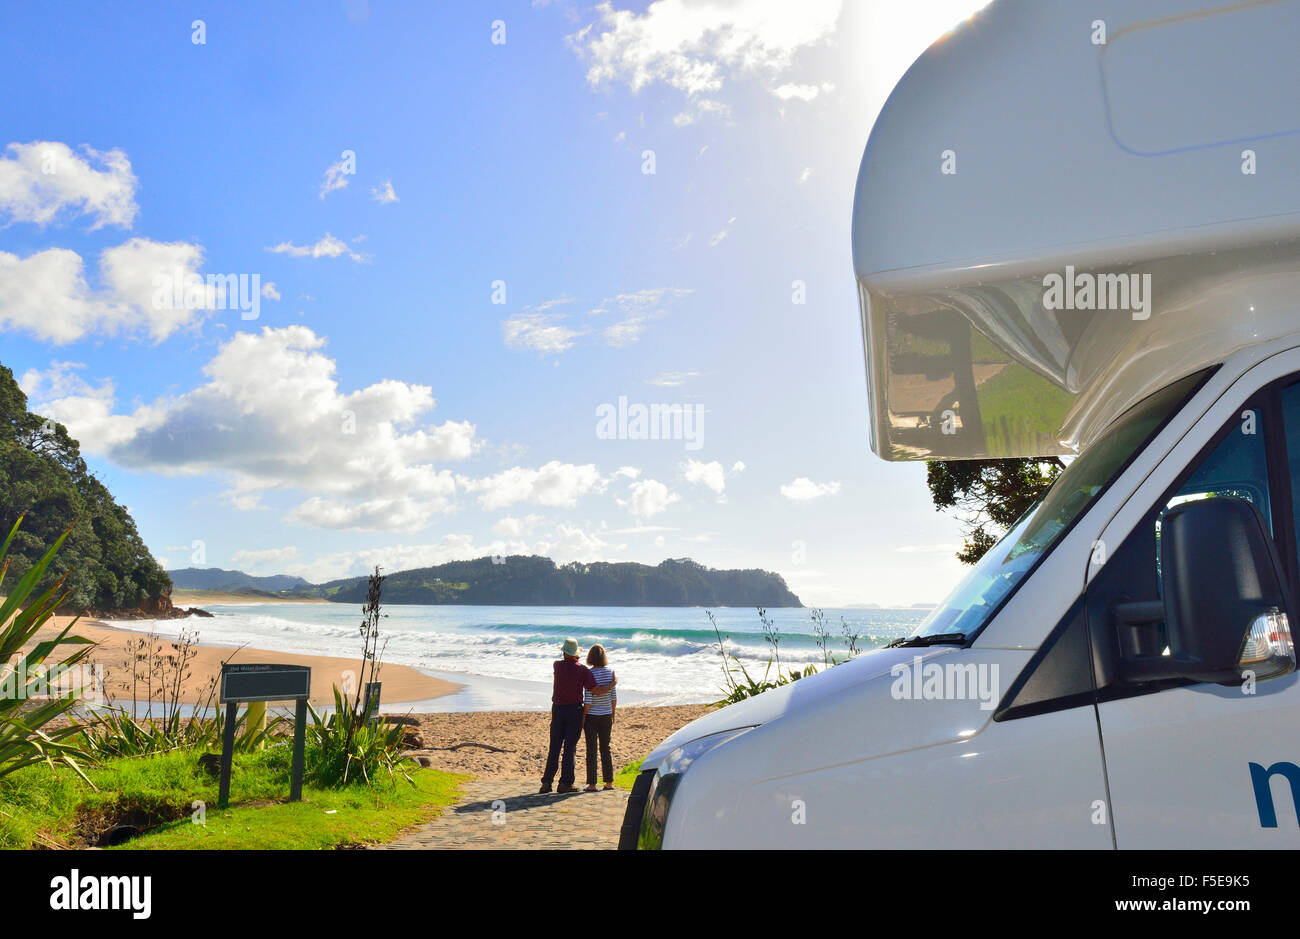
point(46, 294)
point(327, 247)
point(271, 416)
point(672, 379)
point(702, 108)
point(802, 92)
point(694, 46)
point(269, 291)
point(547, 304)
point(399, 557)
point(639, 529)
point(541, 332)
point(567, 543)
point(805, 175)
point(637, 309)
point(403, 513)
point(630, 472)
point(264, 558)
point(58, 380)
point(710, 475)
point(548, 334)
point(71, 400)
point(571, 543)
point(625, 333)
point(738, 467)
point(648, 498)
point(555, 484)
point(511, 527)
point(647, 302)
point(726, 230)
point(384, 194)
point(336, 175)
point(803, 489)
point(39, 180)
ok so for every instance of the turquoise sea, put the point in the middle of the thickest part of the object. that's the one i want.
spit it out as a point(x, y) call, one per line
point(502, 654)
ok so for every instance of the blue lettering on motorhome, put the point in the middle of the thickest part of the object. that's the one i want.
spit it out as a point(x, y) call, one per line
point(1259, 778)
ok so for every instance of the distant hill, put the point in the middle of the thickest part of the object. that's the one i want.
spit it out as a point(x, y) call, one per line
point(538, 581)
point(214, 578)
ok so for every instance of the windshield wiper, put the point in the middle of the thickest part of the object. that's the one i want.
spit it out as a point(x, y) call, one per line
point(937, 639)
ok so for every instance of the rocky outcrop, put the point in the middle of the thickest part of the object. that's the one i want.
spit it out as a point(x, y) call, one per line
point(159, 608)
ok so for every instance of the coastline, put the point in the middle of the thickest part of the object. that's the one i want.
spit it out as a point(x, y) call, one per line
point(115, 646)
point(474, 727)
point(498, 743)
point(182, 598)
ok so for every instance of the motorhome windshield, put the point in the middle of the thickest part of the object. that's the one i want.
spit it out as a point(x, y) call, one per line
point(997, 574)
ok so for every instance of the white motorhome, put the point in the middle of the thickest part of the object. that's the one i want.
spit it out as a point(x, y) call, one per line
point(1076, 233)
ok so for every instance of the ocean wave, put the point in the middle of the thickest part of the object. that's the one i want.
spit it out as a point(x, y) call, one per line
point(661, 653)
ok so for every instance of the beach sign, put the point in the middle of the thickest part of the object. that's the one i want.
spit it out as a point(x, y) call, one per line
point(257, 682)
point(264, 682)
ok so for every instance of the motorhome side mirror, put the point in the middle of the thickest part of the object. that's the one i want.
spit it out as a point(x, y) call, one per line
point(1226, 614)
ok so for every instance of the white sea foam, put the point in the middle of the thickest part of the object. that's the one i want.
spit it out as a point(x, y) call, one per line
point(660, 655)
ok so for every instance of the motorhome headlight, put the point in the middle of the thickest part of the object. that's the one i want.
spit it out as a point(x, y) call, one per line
point(666, 780)
point(1268, 650)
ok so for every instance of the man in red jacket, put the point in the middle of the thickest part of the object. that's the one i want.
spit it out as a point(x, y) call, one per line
point(571, 676)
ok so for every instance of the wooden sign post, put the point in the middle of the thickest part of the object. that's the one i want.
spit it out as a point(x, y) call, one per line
point(263, 683)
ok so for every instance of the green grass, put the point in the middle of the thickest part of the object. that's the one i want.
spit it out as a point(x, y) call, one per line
point(325, 818)
point(626, 776)
point(40, 807)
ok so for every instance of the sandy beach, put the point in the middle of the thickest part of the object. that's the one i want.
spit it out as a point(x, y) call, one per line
point(198, 598)
point(524, 736)
point(501, 744)
point(115, 648)
point(520, 736)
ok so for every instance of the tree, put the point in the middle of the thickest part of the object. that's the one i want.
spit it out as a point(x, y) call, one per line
point(43, 477)
point(988, 493)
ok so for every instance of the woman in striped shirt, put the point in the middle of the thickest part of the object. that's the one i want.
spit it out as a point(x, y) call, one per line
point(598, 718)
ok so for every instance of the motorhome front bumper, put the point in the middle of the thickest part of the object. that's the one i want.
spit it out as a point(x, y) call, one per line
point(647, 810)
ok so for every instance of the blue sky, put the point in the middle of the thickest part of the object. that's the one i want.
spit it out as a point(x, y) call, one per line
point(382, 408)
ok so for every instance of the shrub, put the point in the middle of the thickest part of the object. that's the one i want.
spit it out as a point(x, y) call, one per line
point(26, 734)
point(346, 747)
point(116, 733)
point(351, 744)
point(741, 685)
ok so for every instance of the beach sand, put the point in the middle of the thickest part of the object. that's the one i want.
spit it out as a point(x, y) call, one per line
point(201, 597)
point(519, 738)
point(401, 683)
point(525, 736)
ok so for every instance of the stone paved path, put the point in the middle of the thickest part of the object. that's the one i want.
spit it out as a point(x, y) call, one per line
point(509, 813)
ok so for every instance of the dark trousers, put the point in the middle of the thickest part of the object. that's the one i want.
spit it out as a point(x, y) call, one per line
point(598, 729)
point(566, 727)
